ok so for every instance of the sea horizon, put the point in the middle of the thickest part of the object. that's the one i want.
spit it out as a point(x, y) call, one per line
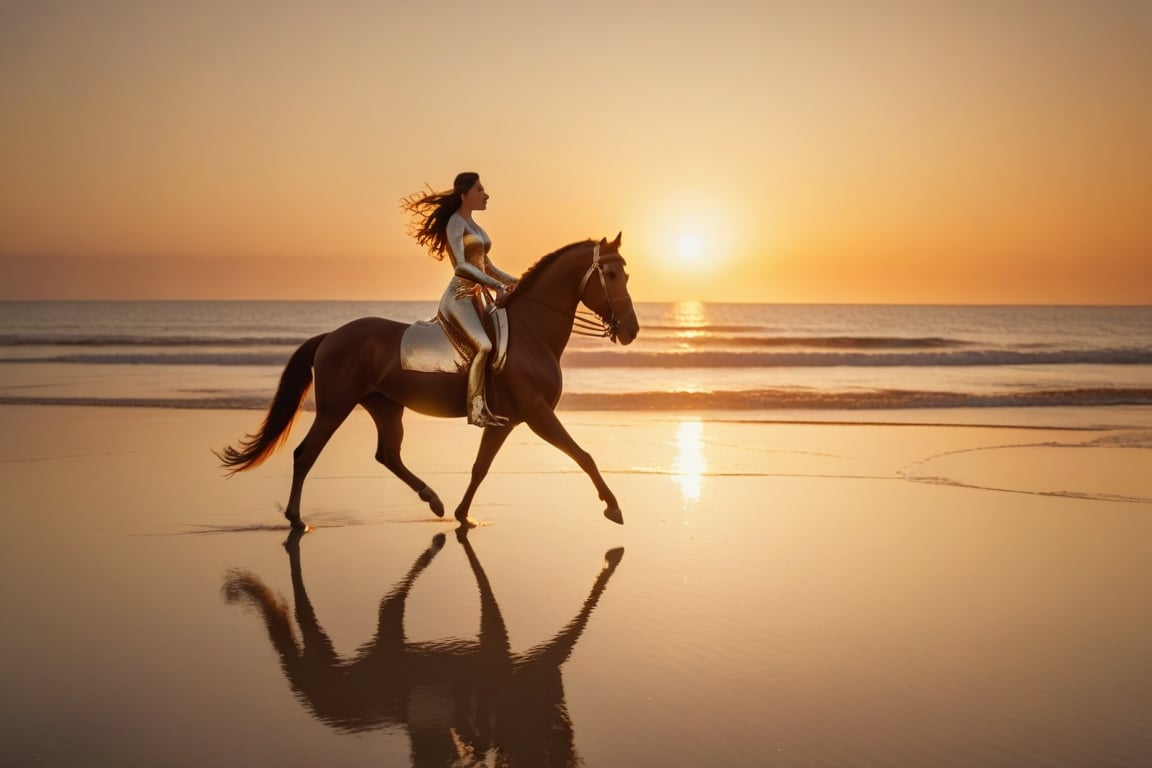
point(689, 355)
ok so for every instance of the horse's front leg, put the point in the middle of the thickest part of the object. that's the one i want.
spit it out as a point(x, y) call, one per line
point(494, 640)
point(557, 650)
point(390, 618)
point(490, 444)
point(546, 425)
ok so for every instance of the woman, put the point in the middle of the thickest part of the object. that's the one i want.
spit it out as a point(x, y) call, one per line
point(442, 222)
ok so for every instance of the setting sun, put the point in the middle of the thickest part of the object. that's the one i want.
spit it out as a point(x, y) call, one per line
point(924, 153)
point(689, 249)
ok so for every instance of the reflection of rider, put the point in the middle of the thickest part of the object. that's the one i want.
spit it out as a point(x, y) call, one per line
point(442, 222)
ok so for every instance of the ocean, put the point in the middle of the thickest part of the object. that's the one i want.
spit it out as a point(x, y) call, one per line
point(690, 355)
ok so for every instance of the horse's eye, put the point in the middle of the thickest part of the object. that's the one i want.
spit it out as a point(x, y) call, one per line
point(611, 274)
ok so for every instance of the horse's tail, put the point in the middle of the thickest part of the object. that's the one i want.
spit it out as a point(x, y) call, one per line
point(295, 382)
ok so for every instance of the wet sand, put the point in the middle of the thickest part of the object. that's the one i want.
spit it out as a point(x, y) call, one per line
point(948, 588)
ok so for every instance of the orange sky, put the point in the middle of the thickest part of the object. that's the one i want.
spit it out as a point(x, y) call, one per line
point(856, 151)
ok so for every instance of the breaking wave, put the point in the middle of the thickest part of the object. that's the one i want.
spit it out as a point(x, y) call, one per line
point(640, 359)
point(758, 399)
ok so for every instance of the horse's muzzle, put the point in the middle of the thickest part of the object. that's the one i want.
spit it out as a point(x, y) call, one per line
point(625, 329)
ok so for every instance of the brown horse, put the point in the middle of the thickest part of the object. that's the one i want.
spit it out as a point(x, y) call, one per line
point(460, 700)
point(359, 363)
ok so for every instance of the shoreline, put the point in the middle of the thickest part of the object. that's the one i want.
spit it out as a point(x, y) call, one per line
point(692, 402)
point(1053, 451)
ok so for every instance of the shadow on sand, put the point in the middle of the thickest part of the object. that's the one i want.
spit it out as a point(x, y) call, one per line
point(462, 701)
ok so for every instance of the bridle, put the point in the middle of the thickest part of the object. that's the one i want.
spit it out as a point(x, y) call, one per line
point(589, 322)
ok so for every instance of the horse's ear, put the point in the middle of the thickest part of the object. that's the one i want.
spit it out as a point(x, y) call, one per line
point(616, 242)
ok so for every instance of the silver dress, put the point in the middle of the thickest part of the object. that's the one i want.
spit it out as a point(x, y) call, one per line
point(464, 299)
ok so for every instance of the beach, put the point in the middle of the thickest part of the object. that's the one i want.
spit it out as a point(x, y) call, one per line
point(841, 314)
point(949, 587)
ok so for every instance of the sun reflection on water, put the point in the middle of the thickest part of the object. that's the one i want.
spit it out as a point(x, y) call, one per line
point(690, 464)
point(690, 321)
point(690, 461)
point(689, 315)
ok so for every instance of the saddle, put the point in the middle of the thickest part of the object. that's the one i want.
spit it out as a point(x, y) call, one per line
point(435, 346)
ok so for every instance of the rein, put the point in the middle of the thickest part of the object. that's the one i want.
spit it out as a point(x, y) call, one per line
point(586, 322)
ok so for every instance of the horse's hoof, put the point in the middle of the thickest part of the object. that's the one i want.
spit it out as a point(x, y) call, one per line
point(615, 515)
point(462, 531)
point(297, 524)
point(292, 543)
point(434, 503)
point(612, 558)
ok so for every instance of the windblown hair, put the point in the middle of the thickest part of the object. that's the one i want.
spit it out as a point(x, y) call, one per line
point(431, 210)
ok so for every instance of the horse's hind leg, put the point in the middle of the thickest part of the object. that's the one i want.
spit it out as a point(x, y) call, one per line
point(387, 414)
point(330, 414)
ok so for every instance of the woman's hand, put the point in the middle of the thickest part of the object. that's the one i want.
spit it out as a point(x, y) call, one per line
point(504, 291)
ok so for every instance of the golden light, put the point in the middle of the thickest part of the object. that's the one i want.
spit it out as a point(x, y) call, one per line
point(690, 461)
point(690, 244)
point(690, 319)
point(690, 314)
point(689, 249)
point(690, 230)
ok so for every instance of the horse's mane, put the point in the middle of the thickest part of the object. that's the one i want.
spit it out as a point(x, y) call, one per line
point(533, 272)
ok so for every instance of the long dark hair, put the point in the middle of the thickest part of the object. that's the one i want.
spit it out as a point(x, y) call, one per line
point(431, 210)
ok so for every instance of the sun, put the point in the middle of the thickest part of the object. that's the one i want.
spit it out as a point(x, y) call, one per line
point(693, 236)
point(690, 249)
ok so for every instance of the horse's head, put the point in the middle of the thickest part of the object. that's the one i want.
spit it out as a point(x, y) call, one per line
point(604, 290)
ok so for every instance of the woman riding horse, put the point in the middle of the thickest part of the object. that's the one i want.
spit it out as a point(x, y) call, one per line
point(361, 364)
point(442, 222)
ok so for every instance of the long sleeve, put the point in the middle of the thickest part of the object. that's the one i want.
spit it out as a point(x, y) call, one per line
point(462, 268)
point(499, 274)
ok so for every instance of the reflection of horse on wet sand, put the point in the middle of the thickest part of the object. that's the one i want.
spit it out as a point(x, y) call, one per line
point(460, 700)
point(360, 363)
